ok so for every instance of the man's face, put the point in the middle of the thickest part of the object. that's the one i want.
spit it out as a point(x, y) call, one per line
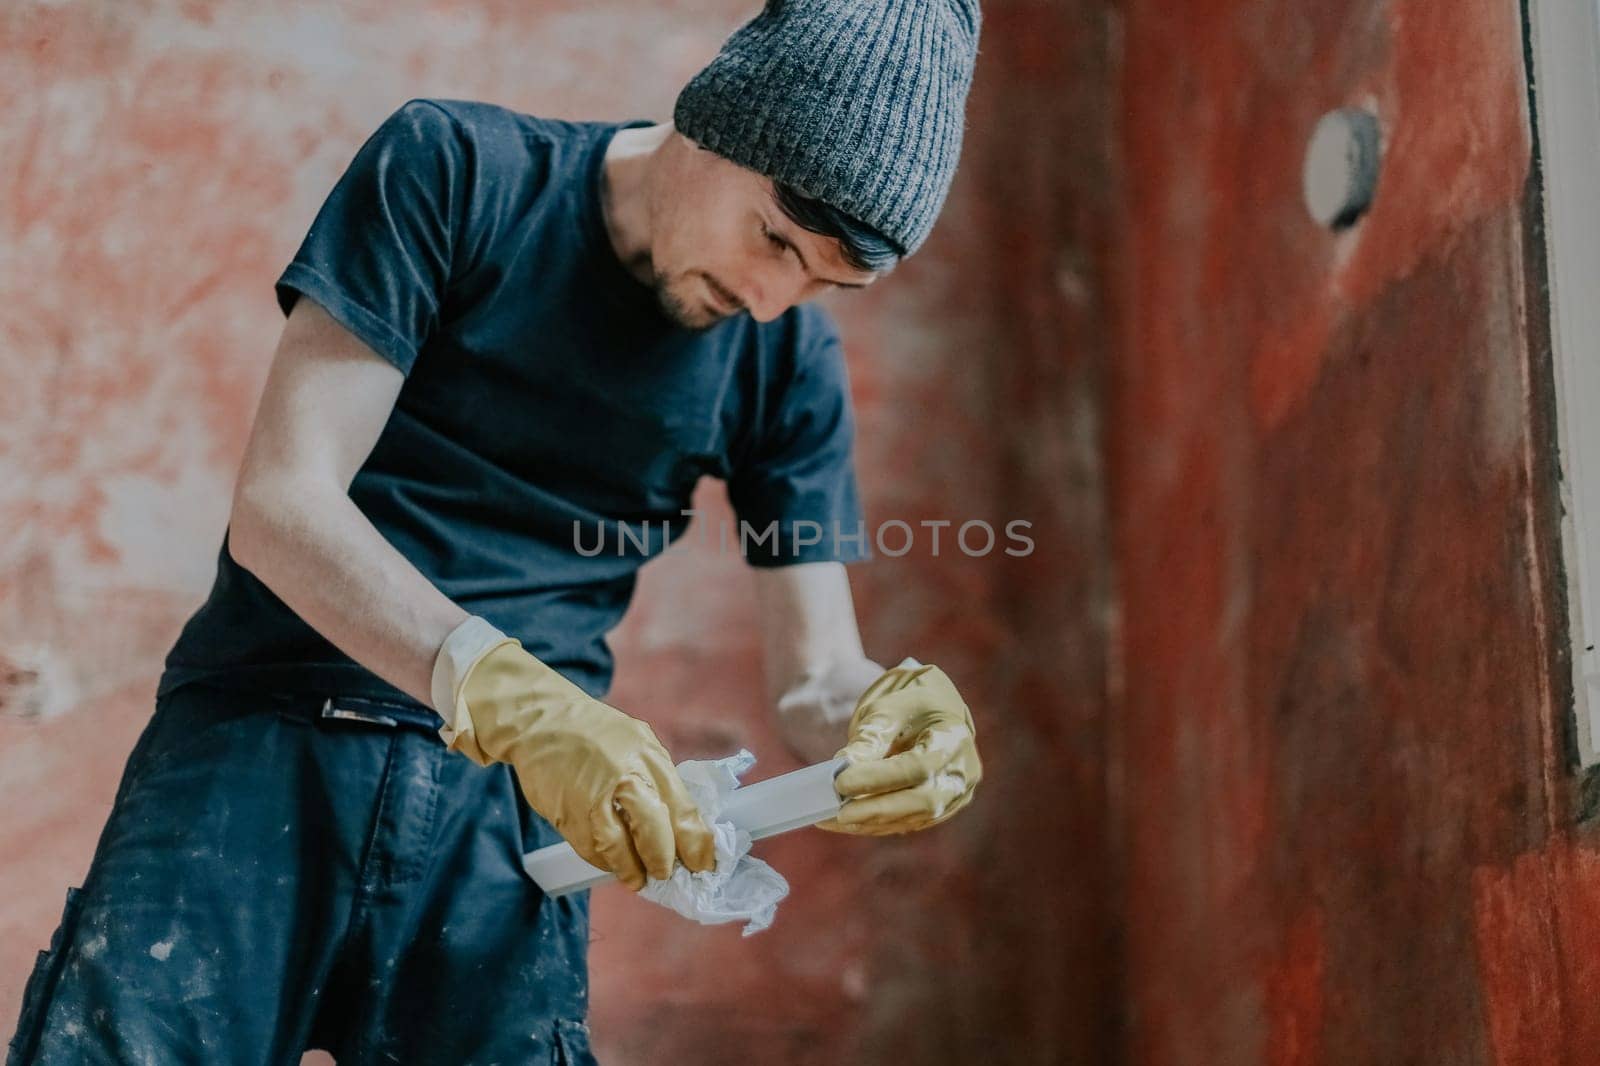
point(721, 244)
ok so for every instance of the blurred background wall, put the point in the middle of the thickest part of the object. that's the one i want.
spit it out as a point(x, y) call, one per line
point(1274, 716)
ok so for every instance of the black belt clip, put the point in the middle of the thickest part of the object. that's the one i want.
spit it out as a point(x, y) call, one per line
point(345, 714)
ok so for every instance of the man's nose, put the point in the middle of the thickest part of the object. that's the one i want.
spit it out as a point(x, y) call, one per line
point(771, 291)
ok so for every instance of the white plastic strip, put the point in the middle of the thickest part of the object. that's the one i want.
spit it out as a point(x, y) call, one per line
point(794, 800)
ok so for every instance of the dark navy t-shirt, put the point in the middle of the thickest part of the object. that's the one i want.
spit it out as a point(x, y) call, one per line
point(549, 409)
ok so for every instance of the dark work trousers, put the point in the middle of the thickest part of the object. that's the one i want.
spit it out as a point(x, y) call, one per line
point(281, 873)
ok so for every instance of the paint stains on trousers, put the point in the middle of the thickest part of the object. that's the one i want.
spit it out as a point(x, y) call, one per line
point(272, 880)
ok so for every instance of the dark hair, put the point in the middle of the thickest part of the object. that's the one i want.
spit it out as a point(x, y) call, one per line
point(864, 247)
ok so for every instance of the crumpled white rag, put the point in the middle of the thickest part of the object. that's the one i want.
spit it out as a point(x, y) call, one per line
point(742, 887)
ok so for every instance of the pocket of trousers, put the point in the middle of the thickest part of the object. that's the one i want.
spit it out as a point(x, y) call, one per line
point(182, 725)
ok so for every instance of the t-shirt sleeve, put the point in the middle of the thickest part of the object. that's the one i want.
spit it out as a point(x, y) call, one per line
point(378, 255)
point(794, 492)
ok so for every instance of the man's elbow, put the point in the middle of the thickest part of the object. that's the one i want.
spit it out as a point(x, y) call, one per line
point(274, 511)
point(246, 532)
point(265, 511)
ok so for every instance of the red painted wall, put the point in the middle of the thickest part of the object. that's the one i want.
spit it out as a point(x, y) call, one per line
point(1274, 716)
point(1347, 812)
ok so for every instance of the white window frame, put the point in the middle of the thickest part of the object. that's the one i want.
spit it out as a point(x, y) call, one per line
point(1566, 91)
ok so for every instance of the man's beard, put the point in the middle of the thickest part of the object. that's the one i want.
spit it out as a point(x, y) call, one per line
point(684, 313)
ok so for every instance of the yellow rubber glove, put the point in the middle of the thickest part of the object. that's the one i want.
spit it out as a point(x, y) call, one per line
point(913, 755)
point(600, 777)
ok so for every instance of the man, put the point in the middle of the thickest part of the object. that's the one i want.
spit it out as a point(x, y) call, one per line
point(507, 338)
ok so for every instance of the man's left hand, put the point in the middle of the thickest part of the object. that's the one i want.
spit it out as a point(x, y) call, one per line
point(913, 755)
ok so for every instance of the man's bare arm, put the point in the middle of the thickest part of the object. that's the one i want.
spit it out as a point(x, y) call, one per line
point(294, 526)
point(814, 664)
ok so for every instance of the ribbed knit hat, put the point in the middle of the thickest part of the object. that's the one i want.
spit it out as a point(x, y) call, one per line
point(857, 103)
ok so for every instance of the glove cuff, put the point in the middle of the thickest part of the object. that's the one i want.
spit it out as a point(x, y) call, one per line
point(463, 649)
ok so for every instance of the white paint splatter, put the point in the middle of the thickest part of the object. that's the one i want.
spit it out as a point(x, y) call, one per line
point(161, 950)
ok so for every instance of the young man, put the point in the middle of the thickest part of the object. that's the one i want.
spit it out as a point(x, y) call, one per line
point(510, 339)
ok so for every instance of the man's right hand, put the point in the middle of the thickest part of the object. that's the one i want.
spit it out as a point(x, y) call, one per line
point(600, 777)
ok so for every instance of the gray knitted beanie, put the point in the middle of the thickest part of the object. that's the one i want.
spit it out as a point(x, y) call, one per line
point(857, 103)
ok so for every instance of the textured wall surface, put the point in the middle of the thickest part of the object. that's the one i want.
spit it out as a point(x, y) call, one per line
point(1347, 809)
point(159, 162)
